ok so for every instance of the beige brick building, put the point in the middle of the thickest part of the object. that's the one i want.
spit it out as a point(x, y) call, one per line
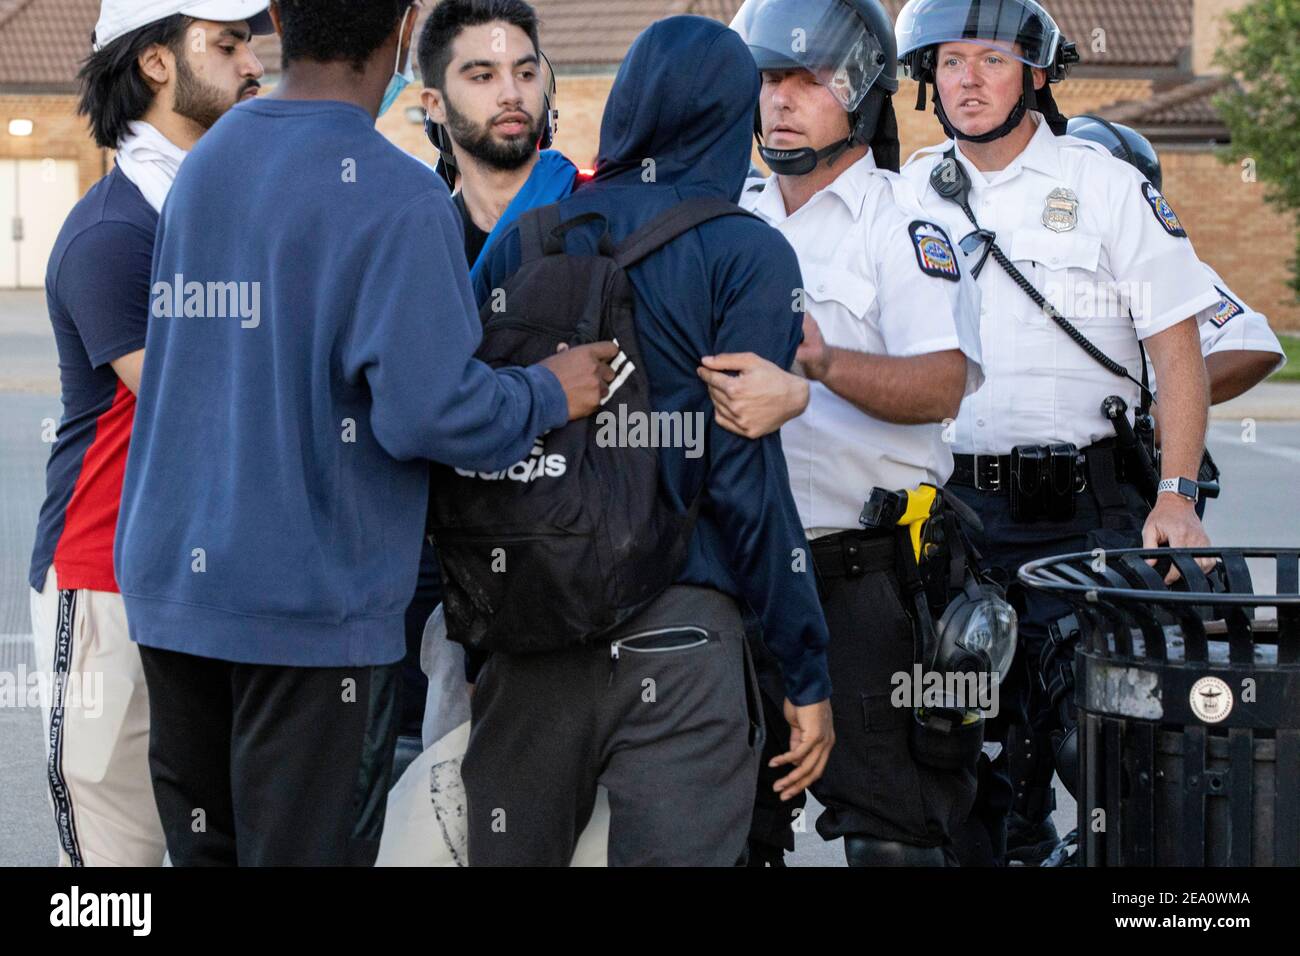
point(1148, 63)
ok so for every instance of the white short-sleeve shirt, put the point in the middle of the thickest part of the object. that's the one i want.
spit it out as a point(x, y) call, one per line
point(1235, 326)
point(1104, 247)
point(877, 278)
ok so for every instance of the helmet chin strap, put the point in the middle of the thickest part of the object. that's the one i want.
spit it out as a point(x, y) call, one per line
point(865, 123)
point(1028, 100)
point(801, 161)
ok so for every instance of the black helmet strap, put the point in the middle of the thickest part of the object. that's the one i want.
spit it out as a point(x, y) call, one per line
point(801, 161)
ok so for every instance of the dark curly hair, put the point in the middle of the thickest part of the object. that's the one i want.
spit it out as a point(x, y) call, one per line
point(450, 17)
point(114, 93)
point(326, 30)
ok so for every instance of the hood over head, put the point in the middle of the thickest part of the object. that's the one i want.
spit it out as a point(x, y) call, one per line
point(685, 98)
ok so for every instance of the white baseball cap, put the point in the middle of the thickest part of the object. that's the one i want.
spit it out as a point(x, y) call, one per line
point(119, 17)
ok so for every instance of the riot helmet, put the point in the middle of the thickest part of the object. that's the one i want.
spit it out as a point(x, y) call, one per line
point(1004, 25)
point(848, 45)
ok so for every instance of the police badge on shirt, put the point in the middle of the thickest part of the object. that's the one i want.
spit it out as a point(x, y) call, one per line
point(934, 253)
point(1229, 308)
point(1164, 212)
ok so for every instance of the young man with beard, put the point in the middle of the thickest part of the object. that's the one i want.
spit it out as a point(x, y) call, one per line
point(274, 502)
point(486, 98)
point(486, 91)
point(159, 76)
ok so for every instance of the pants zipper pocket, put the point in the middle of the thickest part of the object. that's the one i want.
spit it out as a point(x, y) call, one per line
point(620, 645)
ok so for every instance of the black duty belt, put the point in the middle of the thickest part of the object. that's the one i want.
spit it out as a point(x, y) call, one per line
point(850, 554)
point(992, 473)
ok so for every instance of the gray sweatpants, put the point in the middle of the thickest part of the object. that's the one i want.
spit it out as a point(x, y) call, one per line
point(671, 726)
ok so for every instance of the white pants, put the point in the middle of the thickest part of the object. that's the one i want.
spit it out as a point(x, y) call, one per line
point(96, 721)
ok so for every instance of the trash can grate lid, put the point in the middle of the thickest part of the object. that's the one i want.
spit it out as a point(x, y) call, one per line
point(1121, 593)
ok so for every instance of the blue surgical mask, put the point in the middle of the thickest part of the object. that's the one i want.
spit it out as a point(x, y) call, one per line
point(401, 78)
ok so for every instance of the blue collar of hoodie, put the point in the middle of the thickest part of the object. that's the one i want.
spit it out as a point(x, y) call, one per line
point(681, 110)
point(550, 181)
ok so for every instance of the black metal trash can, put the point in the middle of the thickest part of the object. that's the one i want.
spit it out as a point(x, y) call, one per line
point(1188, 704)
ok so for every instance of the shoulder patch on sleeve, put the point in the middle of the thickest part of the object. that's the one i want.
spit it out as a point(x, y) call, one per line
point(1164, 212)
point(1229, 308)
point(934, 253)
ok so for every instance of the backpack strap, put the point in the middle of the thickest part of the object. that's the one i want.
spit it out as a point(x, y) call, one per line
point(666, 227)
point(536, 233)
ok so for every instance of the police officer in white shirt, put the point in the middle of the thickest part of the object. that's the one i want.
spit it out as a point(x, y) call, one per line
point(891, 345)
point(1239, 347)
point(1109, 255)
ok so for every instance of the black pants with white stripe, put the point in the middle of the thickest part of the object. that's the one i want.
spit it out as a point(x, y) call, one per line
point(260, 765)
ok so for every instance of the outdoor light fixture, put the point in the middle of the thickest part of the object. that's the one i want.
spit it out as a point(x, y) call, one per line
point(20, 127)
point(415, 114)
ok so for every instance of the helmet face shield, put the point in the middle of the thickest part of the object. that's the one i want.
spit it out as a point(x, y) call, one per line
point(1019, 28)
point(824, 37)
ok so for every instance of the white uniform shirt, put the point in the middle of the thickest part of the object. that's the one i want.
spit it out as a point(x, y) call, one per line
point(1234, 327)
point(1117, 261)
point(877, 279)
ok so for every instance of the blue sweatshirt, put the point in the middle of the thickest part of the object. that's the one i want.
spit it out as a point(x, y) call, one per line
point(310, 345)
point(679, 123)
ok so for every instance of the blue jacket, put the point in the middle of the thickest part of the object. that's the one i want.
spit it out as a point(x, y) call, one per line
point(679, 123)
point(276, 486)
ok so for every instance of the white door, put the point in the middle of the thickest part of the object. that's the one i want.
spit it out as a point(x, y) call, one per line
point(9, 224)
point(47, 191)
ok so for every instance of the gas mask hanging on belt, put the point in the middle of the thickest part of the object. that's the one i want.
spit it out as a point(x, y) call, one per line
point(971, 646)
point(977, 632)
point(966, 630)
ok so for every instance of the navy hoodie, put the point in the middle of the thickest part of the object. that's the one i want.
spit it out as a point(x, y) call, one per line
point(679, 123)
point(276, 485)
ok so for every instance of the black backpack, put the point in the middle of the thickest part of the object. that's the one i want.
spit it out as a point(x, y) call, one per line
point(562, 547)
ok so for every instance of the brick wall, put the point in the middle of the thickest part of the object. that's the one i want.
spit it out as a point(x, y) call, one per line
point(58, 133)
point(1208, 26)
point(1247, 241)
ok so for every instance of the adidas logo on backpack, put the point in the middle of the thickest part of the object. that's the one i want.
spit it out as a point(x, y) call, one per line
point(538, 464)
point(562, 547)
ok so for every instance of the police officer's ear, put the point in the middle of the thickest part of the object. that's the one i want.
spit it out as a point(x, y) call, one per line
point(1040, 77)
point(433, 103)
